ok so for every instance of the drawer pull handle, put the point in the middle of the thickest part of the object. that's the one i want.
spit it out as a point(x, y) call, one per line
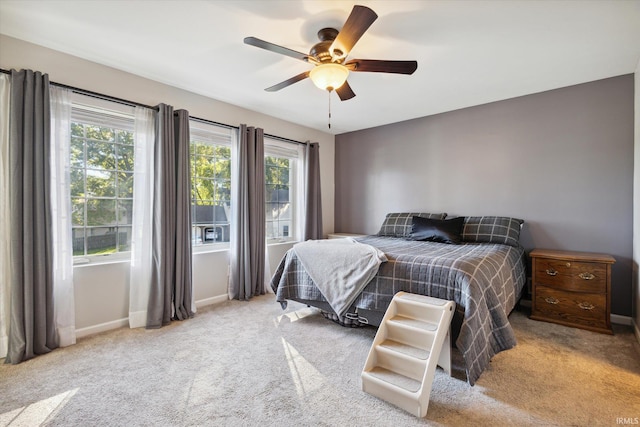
point(551, 272)
point(552, 300)
point(586, 276)
point(586, 306)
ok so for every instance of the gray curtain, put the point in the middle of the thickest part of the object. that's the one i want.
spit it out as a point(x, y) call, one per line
point(313, 200)
point(171, 285)
point(248, 236)
point(31, 324)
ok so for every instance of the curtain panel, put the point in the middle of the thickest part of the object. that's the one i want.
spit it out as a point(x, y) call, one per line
point(5, 225)
point(143, 201)
point(248, 227)
point(171, 293)
point(31, 329)
point(63, 291)
point(312, 196)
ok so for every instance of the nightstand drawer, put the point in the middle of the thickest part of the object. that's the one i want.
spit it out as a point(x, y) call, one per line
point(571, 275)
point(575, 308)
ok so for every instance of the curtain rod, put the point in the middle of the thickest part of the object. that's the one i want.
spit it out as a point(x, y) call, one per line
point(137, 104)
point(96, 94)
point(292, 141)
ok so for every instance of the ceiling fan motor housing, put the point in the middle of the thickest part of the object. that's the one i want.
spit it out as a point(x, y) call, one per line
point(320, 51)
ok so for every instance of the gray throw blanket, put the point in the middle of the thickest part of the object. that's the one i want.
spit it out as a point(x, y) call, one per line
point(340, 268)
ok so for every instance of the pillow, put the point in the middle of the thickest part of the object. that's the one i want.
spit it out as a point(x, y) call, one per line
point(492, 229)
point(399, 224)
point(437, 230)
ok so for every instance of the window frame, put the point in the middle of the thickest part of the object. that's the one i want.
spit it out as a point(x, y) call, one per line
point(88, 110)
point(281, 149)
point(216, 135)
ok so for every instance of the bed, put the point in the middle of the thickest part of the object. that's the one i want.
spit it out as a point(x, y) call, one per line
point(483, 271)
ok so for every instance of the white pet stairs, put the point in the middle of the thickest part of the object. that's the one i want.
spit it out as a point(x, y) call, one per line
point(412, 339)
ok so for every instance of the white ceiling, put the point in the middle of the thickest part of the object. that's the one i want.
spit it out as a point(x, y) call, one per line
point(468, 52)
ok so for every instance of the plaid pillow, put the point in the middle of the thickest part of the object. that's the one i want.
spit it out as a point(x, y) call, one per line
point(492, 229)
point(399, 224)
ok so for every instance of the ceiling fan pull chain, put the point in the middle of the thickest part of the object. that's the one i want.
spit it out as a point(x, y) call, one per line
point(329, 92)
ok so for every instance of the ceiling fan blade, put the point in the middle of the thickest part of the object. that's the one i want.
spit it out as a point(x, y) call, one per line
point(345, 92)
point(357, 23)
point(288, 82)
point(381, 66)
point(253, 41)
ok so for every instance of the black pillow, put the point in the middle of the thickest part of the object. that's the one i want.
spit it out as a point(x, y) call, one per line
point(399, 224)
point(437, 230)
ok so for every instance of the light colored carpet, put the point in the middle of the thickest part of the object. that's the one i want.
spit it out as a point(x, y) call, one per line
point(251, 364)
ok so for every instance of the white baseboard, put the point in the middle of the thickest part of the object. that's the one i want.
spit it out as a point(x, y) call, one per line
point(621, 320)
point(102, 327)
point(120, 323)
point(210, 301)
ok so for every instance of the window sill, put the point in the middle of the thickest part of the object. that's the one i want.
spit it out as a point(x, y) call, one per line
point(89, 261)
point(81, 262)
point(282, 242)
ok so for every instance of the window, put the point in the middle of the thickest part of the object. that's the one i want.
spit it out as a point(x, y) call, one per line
point(281, 175)
point(210, 183)
point(101, 176)
point(102, 151)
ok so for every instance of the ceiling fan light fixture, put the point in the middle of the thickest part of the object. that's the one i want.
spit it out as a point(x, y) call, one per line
point(329, 76)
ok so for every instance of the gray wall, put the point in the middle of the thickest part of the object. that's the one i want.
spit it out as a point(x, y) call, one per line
point(561, 160)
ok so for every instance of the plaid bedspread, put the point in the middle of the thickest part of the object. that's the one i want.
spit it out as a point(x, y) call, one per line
point(484, 279)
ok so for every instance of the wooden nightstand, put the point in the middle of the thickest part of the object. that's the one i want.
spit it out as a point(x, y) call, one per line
point(572, 289)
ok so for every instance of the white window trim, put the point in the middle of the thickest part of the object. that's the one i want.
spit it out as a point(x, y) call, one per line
point(276, 148)
point(212, 134)
point(116, 110)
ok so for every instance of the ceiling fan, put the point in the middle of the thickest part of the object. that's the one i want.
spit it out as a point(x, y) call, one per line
point(331, 69)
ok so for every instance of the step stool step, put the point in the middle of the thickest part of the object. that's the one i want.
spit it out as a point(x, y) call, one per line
point(409, 350)
point(423, 299)
point(414, 323)
point(396, 379)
